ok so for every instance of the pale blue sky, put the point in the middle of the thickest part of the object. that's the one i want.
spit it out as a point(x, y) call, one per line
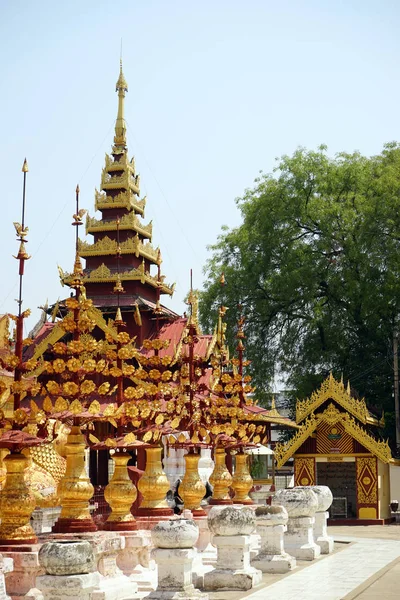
point(217, 90)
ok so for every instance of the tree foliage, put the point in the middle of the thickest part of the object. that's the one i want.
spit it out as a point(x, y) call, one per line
point(315, 266)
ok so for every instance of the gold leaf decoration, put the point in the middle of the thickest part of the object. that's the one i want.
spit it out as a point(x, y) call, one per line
point(76, 407)
point(93, 439)
point(47, 405)
point(110, 443)
point(175, 422)
point(130, 438)
point(61, 404)
point(94, 408)
point(147, 436)
point(159, 419)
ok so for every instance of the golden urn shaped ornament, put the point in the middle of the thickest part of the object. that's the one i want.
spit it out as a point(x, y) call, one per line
point(120, 494)
point(154, 485)
point(17, 502)
point(192, 490)
point(220, 479)
point(75, 489)
point(242, 481)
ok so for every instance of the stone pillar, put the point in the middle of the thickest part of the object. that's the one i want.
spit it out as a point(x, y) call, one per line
point(301, 504)
point(26, 568)
point(43, 519)
point(134, 560)
point(271, 523)
point(70, 571)
point(106, 546)
point(325, 498)
point(174, 554)
point(6, 566)
point(232, 527)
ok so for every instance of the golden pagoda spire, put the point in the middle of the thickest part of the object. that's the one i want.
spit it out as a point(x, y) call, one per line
point(120, 125)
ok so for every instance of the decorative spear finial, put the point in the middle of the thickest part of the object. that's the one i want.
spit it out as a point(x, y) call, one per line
point(25, 166)
point(120, 125)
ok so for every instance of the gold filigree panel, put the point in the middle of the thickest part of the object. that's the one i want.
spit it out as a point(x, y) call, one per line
point(334, 390)
point(304, 471)
point(367, 480)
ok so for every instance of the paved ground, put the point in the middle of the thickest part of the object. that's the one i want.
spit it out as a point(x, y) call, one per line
point(364, 566)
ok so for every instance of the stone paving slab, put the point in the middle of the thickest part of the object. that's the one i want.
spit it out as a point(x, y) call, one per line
point(337, 575)
point(364, 566)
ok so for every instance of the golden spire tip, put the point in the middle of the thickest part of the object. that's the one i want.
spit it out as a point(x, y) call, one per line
point(77, 189)
point(25, 166)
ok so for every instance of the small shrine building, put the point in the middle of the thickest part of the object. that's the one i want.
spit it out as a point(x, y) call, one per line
point(335, 446)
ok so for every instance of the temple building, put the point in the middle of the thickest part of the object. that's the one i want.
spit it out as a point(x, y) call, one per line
point(336, 446)
point(122, 251)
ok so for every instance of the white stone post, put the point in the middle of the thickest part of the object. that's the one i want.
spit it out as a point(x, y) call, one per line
point(271, 523)
point(174, 554)
point(301, 504)
point(325, 498)
point(134, 560)
point(70, 571)
point(232, 527)
point(6, 566)
point(22, 578)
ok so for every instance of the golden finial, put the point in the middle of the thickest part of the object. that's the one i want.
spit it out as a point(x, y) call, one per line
point(222, 279)
point(77, 189)
point(121, 83)
point(120, 125)
point(348, 388)
point(25, 166)
point(118, 316)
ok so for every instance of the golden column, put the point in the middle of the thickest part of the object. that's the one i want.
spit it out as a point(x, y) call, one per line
point(220, 479)
point(120, 494)
point(17, 503)
point(75, 489)
point(154, 485)
point(242, 481)
point(192, 490)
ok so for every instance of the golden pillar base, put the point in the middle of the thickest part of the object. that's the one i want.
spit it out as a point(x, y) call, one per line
point(75, 489)
point(242, 481)
point(220, 479)
point(120, 494)
point(192, 490)
point(17, 503)
point(154, 485)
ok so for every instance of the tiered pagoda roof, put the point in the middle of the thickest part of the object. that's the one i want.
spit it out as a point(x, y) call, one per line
point(121, 249)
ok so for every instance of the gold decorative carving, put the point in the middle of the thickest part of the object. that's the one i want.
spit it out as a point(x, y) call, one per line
point(108, 246)
point(220, 479)
point(17, 502)
point(130, 221)
point(285, 451)
point(367, 485)
point(122, 200)
point(334, 390)
point(378, 448)
point(332, 415)
point(304, 471)
point(127, 181)
point(192, 490)
point(153, 484)
point(103, 274)
point(55, 334)
point(120, 494)
point(242, 481)
point(75, 489)
point(97, 316)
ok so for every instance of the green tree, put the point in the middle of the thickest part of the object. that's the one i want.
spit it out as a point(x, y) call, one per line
point(315, 266)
